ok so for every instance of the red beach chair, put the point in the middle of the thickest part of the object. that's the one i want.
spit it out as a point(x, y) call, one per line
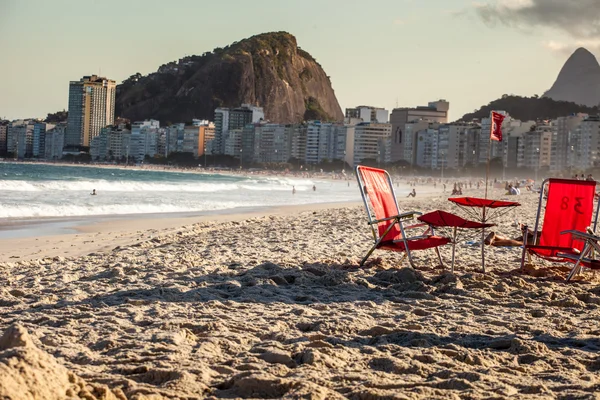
point(386, 222)
point(569, 207)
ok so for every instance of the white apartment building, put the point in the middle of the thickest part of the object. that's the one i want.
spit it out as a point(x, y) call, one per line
point(409, 137)
point(233, 143)
point(38, 149)
point(272, 143)
point(424, 153)
point(113, 143)
point(455, 155)
point(368, 114)
point(227, 119)
point(19, 138)
point(326, 141)
point(538, 147)
point(55, 142)
point(562, 157)
point(435, 111)
point(588, 147)
point(372, 141)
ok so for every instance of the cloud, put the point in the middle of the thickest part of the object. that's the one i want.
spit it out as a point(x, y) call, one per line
point(580, 19)
point(566, 49)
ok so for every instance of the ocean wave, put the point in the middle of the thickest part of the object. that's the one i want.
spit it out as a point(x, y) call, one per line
point(114, 186)
point(67, 210)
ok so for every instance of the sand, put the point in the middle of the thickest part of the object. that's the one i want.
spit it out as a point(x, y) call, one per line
point(276, 307)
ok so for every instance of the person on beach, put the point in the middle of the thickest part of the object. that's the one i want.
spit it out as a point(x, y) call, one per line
point(314, 188)
point(413, 193)
point(496, 240)
point(93, 192)
point(293, 189)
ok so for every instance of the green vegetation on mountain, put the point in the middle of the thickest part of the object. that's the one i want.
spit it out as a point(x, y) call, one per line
point(267, 70)
point(530, 108)
point(59, 116)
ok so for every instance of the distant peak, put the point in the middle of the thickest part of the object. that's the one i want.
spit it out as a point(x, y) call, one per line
point(583, 54)
point(582, 50)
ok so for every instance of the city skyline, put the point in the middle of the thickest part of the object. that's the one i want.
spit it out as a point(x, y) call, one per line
point(469, 54)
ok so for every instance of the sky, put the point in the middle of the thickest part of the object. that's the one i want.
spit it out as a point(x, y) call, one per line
point(385, 53)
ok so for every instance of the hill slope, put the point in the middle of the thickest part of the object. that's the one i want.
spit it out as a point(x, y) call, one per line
point(530, 108)
point(578, 80)
point(267, 70)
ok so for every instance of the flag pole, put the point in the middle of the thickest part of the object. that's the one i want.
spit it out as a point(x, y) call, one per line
point(487, 174)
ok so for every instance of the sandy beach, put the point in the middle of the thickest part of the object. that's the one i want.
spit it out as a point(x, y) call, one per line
point(276, 306)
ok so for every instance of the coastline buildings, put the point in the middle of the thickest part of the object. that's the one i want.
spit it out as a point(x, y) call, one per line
point(435, 111)
point(55, 142)
point(91, 108)
point(368, 114)
point(372, 141)
point(227, 120)
point(3, 134)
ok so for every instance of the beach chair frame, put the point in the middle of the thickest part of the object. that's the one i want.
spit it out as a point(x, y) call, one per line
point(399, 219)
point(592, 245)
point(560, 257)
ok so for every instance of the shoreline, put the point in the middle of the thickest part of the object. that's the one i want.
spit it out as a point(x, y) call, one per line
point(30, 239)
point(80, 237)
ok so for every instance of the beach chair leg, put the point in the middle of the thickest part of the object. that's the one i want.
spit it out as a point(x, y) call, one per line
point(524, 250)
point(574, 271)
point(410, 259)
point(368, 255)
point(437, 250)
point(453, 250)
point(577, 267)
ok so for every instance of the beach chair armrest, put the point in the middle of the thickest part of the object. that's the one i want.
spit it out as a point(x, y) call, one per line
point(407, 215)
point(582, 235)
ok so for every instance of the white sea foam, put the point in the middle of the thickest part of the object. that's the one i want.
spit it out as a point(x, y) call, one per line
point(54, 191)
point(64, 210)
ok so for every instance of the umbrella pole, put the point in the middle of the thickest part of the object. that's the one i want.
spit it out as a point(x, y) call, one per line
point(453, 248)
point(483, 242)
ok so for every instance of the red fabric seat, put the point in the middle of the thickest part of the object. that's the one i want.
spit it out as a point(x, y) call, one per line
point(415, 244)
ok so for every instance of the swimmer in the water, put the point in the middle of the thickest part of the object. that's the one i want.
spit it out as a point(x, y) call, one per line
point(93, 192)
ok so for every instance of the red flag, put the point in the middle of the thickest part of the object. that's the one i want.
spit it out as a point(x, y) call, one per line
point(496, 128)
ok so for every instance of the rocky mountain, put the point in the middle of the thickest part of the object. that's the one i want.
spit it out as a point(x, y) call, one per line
point(530, 108)
point(578, 80)
point(267, 70)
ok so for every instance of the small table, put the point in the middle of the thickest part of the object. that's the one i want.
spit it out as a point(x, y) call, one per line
point(476, 207)
point(443, 219)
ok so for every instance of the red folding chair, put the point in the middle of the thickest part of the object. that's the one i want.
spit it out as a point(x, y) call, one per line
point(386, 222)
point(569, 207)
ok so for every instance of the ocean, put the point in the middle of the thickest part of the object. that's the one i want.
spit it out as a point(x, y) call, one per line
point(39, 191)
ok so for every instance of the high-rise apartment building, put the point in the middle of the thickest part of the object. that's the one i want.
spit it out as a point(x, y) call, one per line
point(368, 114)
point(19, 138)
point(588, 147)
point(562, 151)
point(372, 141)
point(435, 111)
point(55, 142)
point(234, 119)
point(3, 134)
point(91, 108)
point(327, 141)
